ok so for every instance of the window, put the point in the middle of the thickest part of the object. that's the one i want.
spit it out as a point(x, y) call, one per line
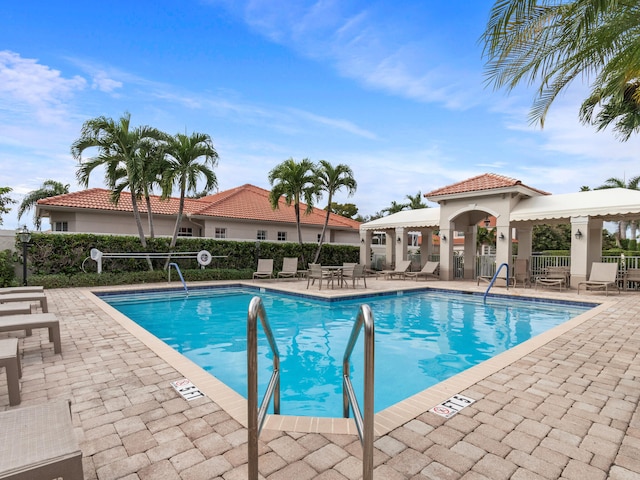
point(60, 227)
point(262, 235)
point(282, 236)
point(220, 233)
point(319, 237)
point(185, 232)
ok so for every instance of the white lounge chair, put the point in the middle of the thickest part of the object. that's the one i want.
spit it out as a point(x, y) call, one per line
point(603, 275)
point(400, 270)
point(289, 268)
point(11, 323)
point(27, 289)
point(430, 270)
point(265, 268)
point(10, 360)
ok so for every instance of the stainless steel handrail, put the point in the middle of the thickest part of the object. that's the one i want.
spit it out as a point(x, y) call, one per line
point(255, 415)
point(175, 265)
point(364, 424)
point(493, 280)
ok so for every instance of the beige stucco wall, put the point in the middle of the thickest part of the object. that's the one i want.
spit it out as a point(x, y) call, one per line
point(123, 224)
point(7, 239)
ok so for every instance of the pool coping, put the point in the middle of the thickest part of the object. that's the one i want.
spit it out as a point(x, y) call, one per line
point(386, 420)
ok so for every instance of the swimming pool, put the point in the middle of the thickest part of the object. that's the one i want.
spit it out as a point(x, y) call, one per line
point(422, 338)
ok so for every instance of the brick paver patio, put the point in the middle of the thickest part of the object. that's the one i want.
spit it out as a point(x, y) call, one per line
point(568, 409)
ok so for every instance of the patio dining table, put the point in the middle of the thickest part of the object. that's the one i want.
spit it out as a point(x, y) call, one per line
point(336, 271)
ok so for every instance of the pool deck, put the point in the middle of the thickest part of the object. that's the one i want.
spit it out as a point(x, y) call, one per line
point(565, 405)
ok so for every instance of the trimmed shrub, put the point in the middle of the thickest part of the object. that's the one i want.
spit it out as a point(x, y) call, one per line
point(7, 273)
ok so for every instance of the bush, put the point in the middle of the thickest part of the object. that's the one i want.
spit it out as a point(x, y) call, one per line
point(7, 273)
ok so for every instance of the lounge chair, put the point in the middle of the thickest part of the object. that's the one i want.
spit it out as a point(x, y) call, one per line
point(265, 268)
point(354, 273)
point(14, 308)
point(26, 297)
point(10, 360)
point(11, 323)
point(28, 289)
point(400, 270)
point(289, 268)
point(603, 275)
point(554, 277)
point(39, 442)
point(430, 270)
point(315, 272)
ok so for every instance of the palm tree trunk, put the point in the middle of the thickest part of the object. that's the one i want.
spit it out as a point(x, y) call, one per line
point(296, 208)
point(176, 229)
point(324, 231)
point(136, 215)
point(147, 199)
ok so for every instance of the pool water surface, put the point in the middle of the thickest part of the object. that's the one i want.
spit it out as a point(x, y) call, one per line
point(422, 338)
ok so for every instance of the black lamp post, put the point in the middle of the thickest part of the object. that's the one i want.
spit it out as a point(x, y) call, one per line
point(25, 237)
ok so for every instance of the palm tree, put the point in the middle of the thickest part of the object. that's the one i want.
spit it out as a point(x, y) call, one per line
point(551, 43)
point(49, 188)
point(623, 110)
point(294, 181)
point(5, 201)
point(330, 179)
point(118, 147)
point(184, 168)
point(395, 207)
point(632, 184)
point(416, 201)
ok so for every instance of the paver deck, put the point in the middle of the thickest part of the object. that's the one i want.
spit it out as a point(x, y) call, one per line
point(567, 408)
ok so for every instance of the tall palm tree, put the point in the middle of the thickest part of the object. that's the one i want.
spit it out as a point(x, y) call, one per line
point(49, 188)
point(118, 151)
point(623, 110)
point(416, 201)
point(330, 179)
point(632, 184)
point(551, 43)
point(294, 181)
point(188, 158)
point(395, 207)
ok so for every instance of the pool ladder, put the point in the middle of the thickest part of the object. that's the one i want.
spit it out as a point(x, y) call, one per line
point(364, 424)
point(184, 284)
point(493, 280)
point(256, 416)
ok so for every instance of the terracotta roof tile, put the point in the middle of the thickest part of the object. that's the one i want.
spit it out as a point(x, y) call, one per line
point(244, 202)
point(486, 181)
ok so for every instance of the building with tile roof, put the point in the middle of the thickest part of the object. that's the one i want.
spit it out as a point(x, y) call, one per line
point(241, 213)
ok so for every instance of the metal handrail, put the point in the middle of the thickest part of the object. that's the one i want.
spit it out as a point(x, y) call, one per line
point(493, 280)
point(184, 284)
point(255, 415)
point(364, 424)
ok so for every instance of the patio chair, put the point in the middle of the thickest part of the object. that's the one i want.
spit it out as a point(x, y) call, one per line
point(39, 442)
point(12, 323)
point(400, 270)
point(289, 268)
point(315, 272)
point(554, 277)
point(521, 272)
point(603, 275)
point(430, 270)
point(354, 273)
point(26, 297)
point(265, 268)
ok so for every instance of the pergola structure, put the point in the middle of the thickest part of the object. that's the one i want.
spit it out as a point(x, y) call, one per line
point(517, 208)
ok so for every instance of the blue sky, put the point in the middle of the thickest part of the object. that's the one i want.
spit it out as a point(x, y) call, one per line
point(394, 89)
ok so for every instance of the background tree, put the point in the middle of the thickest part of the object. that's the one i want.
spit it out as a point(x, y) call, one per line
point(632, 184)
point(294, 181)
point(5, 201)
point(331, 179)
point(551, 237)
point(188, 159)
point(551, 43)
point(49, 188)
point(347, 210)
point(623, 109)
point(416, 201)
point(119, 152)
point(395, 207)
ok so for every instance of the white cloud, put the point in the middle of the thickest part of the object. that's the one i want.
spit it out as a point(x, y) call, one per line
point(102, 82)
point(29, 88)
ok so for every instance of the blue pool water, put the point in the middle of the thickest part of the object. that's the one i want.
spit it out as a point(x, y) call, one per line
point(422, 338)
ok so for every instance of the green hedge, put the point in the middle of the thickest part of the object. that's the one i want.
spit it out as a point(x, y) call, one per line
point(7, 274)
point(56, 260)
